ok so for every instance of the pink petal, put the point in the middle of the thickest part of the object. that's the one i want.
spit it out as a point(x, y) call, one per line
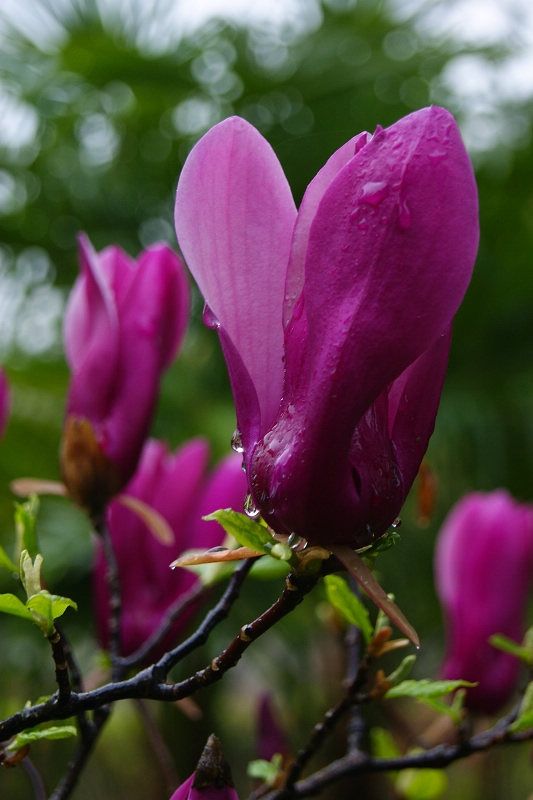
point(390, 253)
point(91, 334)
point(483, 567)
point(413, 403)
point(171, 484)
point(225, 488)
point(234, 220)
point(306, 213)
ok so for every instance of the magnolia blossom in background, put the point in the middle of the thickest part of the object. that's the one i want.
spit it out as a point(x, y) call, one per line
point(271, 739)
point(212, 778)
point(334, 320)
point(484, 569)
point(180, 489)
point(124, 322)
point(4, 401)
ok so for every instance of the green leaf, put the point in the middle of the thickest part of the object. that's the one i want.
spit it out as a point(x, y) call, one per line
point(266, 771)
point(422, 784)
point(424, 689)
point(26, 525)
point(30, 572)
point(46, 607)
point(522, 651)
point(268, 569)
point(402, 671)
point(246, 531)
point(348, 604)
point(6, 562)
point(28, 737)
point(524, 721)
point(454, 710)
point(10, 604)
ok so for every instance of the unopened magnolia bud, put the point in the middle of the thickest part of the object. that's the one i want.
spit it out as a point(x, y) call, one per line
point(212, 778)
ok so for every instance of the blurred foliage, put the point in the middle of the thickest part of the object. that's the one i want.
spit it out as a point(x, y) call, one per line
point(101, 104)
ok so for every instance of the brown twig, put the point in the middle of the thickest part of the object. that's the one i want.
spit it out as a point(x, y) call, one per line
point(61, 666)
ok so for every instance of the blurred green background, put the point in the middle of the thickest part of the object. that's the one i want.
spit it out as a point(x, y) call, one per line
point(101, 100)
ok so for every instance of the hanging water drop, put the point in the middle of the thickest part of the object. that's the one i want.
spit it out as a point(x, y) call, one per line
point(296, 542)
point(250, 509)
point(236, 441)
point(374, 192)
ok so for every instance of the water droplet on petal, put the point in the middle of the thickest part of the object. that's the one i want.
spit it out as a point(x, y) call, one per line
point(437, 154)
point(209, 319)
point(296, 542)
point(250, 509)
point(236, 442)
point(404, 215)
point(396, 524)
point(374, 192)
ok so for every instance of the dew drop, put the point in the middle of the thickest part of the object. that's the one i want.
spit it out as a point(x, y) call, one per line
point(374, 192)
point(404, 215)
point(437, 154)
point(250, 509)
point(236, 442)
point(296, 542)
point(396, 524)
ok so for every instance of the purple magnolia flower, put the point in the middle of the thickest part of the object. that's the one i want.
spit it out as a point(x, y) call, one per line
point(483, 569)
point(4, 401)
point(124, 322)
point(212, 778)
point(334, 320)
point(271, 739)
point(177, 486)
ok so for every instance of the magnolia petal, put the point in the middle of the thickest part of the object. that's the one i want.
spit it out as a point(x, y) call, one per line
point(483, 567)
point(152, 323)
point(234, 221)
point(214, 556)
point(366, 580)
point(91, 335)
point(154, 521)
point(159, 263)
point(23, 487)
point(413, 403)
point(389, 256)
point(311, 199)
point(225, 487)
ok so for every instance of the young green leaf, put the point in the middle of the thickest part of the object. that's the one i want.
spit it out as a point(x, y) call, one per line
point(30, 572)
point(424, 689)
point(46, 607)
point(348, 604)
point(402, 671)
point(524, 720)
point(522, 651)
point(266, 771)
point(246, 531)
point(6, 562)
point(53, 732)
point(10, 604)
point(26, 525)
